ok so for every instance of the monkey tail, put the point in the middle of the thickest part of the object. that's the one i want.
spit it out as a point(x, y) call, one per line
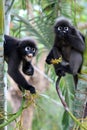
point(58, 80)
point(60, 94)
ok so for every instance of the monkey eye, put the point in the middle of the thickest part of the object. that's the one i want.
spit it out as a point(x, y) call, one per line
point(59, 28)
point(66, 28)
point(33, 49)
point(27, 48)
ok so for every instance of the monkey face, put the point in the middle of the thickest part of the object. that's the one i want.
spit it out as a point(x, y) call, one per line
point(62, 28)
point(29, 53)
point(27, 49)
point(61, 31)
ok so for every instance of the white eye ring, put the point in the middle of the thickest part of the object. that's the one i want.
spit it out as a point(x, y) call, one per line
point(59, 28)
point(66, 28)
point(33, 49)
point(27, 48)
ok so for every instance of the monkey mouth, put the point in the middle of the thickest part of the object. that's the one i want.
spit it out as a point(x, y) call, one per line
point(28, 58)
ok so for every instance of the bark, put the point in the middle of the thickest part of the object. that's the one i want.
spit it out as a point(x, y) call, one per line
point(8, 7)
point(1, 62)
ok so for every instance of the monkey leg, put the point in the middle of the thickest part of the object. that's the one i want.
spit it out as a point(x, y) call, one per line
point(59, 70)
point(75, 64)
point(75, 61)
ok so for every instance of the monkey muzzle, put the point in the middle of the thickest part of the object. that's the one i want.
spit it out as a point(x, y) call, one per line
point(29, 57)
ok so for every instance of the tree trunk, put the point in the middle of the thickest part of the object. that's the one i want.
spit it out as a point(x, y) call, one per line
point(8, 6)
point(1, 62)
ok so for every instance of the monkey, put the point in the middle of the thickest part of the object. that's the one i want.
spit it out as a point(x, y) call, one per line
point(15, 52)
point(69, 43)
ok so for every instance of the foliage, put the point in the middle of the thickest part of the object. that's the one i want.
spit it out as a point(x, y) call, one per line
point(47, 114)
point(12, 117)
point(24, 105)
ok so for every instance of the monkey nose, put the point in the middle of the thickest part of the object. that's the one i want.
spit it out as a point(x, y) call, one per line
point(30, 55)
point(64, 31)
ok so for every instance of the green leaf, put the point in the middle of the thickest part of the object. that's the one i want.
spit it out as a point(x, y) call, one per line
point(65, 121)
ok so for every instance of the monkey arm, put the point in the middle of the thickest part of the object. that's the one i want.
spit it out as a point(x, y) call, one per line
point(49, 57)
point(18, 77)
point(76, 41)
point(54, 54)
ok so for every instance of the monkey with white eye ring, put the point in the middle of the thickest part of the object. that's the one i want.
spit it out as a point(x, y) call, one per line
point(69, 44)
point(15, 52)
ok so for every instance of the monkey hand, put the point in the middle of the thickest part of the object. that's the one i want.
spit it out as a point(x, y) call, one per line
point(48, 61)
point(56, 61)
point(60, 72)
point(32, 90)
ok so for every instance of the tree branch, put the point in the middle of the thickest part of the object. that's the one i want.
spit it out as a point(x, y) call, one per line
point(8, 5)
